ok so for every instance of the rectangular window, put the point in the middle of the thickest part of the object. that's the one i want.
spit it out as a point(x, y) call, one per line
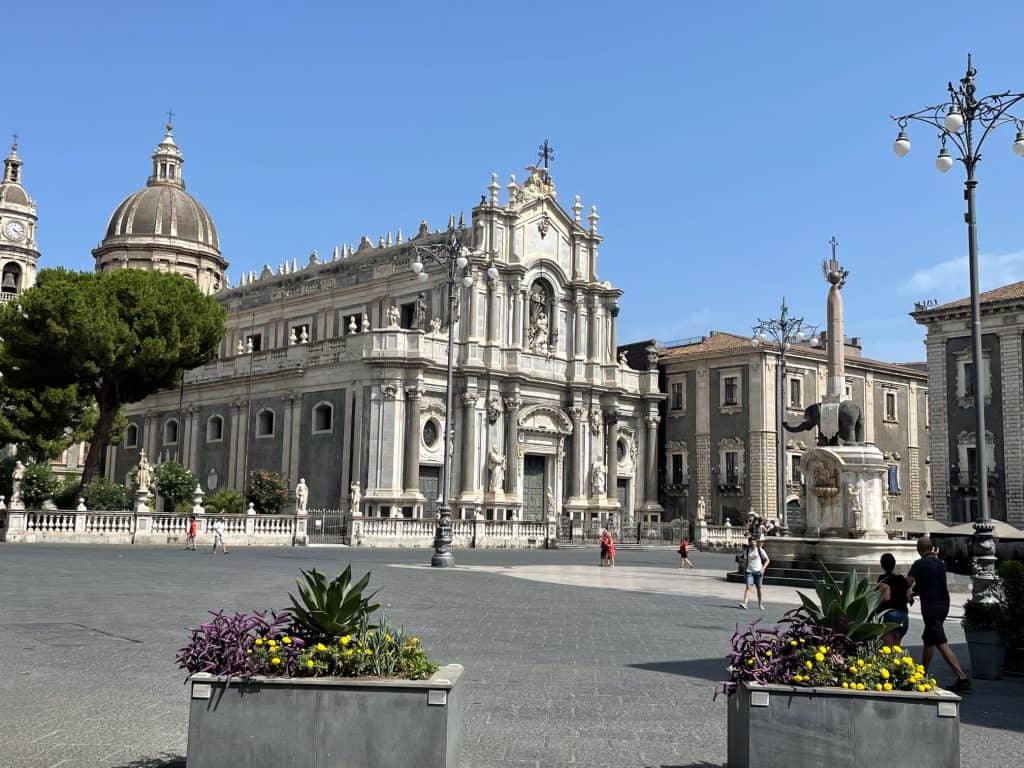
point(796, 397)
point(677, 395)
point(890, 406)
point(894, 478)
point(794, 468)
point(254, 342)
point(730, 391)
point(968, 379)
point(677, 469)
point(732, 475)
point(972, 466)
point(408, 311)
point(848, 390)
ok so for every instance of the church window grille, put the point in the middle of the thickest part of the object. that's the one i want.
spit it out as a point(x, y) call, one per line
point(796, 397)
point(890, 406)
point(893, 477)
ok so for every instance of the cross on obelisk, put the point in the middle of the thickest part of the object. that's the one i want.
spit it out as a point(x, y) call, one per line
point(835, 275)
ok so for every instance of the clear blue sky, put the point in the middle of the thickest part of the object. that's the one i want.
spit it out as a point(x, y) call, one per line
point(724, 144)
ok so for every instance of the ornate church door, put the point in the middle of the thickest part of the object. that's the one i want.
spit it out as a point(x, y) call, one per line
point(533, 487)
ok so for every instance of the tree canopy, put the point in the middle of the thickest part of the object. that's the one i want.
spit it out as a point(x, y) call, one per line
point(43, 422)
point(117, 337)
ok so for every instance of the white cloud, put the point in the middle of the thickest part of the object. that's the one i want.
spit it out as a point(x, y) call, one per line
point(949, 280)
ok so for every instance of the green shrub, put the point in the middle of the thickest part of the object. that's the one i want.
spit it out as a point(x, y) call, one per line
point(67, 495)
point(848, 609)
point(1011, 574)
point(980, 616)
point(325, 610)
point(6, 468)
point(175, 483)
point(267, 491)
point(225, 501)
point(106, 495)
point(39, 484)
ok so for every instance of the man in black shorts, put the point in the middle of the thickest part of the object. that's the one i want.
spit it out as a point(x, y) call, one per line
point(927, 579)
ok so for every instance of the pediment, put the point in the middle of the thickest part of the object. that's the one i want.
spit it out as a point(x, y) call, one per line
point(545, 419)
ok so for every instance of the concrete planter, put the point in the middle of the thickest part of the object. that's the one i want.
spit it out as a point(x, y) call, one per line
point(988, 653)
point(316, 722)
point(773, 725)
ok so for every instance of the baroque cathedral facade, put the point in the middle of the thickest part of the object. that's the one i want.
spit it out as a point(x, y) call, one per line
point(335, 371)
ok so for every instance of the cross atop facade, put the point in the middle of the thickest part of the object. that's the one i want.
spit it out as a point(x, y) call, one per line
point(14, 142)
point(545, 154)
point(835, 244)
point(170, 119)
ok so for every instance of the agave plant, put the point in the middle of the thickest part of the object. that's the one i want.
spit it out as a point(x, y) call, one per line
point(849, 609)
point(328, 609)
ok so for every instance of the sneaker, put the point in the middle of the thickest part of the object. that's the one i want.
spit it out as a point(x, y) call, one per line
point(742, 605)
point(761, 606)
point(963, 685)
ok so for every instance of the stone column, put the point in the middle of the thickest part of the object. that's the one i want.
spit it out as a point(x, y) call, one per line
point(495, 315)
point(411, 459)
point(287, 444)
point(594, 349)
point(470, 310)
point(702, 442)
point(651, 461)
point(513, 403)
point(579, 351)
point(239, 441)
point(611, 433)
point(469, 399)
point(613, 312)
point(581, 433)
point(515, 293)
point(193, 437)
point(294, 435)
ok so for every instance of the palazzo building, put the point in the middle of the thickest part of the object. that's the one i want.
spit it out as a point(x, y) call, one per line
point(953, 431)
point(334, 371)
point(720, 439)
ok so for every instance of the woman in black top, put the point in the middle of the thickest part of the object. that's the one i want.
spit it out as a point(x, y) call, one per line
point(893, 608)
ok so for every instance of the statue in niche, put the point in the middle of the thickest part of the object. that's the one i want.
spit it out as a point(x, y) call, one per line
point(598, 481)
point(495, 469)
point(394, 316)
point(143, 472)
point(540, 328)
point(301, 496)
point(419, 314)
point(595, 422)
point(355, 497)
point(702, 510)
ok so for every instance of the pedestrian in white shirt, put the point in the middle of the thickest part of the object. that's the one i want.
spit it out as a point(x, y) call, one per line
point(218, 536)
point(755, 561)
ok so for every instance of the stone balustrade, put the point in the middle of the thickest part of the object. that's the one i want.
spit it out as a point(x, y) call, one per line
point(725, 536)
point(419, 532)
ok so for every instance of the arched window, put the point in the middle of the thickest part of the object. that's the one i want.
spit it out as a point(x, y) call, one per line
point(323, 418)
point(11, 282)
point(214, 429)
point(265, 423)
point(131, 436)
point(171, 432)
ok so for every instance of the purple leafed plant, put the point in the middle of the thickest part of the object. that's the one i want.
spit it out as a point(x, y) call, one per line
point(223, 646)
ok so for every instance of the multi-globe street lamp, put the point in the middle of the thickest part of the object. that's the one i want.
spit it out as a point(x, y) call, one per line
point(451, 254)
point(965, 121)
point(783, 331)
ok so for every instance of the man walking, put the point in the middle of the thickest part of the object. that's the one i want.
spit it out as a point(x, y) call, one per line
point(218, 536)
point(927, 579)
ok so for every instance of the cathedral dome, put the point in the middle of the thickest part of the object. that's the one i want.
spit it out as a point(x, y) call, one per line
point(163, 227)
point(163, 210)
point(13, 194)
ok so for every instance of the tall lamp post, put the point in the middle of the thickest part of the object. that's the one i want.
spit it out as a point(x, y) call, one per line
point(964, 122)
point(783, 331)
point(451, 255)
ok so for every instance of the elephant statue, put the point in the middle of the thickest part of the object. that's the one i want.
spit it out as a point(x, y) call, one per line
point(851, 424)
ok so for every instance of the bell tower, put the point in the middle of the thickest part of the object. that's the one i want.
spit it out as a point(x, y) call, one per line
point(18, 252)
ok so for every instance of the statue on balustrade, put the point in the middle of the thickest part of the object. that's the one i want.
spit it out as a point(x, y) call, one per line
point(301, 496)
point(702, 510)
point(419, 315)
point(394, 316)
point(17, 475)
point(355, 497)
point(143, 472)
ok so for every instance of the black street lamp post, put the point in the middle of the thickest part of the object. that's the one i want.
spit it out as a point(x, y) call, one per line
point(451, 254)
point(965, 121)
point(783, 331)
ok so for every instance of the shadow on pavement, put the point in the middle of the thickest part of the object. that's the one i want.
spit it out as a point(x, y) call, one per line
point(994, 704)
point(165, 760)
point(706, 669)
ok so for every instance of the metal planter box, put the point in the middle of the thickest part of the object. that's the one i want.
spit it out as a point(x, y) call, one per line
point(780, 725)
point(317, 722)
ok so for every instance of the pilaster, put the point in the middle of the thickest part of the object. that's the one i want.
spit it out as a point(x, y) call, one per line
point(469, 457)
point(611, 418)
point(411, 459)
point(651, 463)
point(1013, 421)
point(513, 403)
point(869, 408)
point(938, 432)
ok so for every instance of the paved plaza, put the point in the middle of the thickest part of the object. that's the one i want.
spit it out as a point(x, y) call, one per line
point(566, 664)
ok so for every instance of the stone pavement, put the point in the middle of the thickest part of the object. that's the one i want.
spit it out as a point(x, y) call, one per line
point(566, 664)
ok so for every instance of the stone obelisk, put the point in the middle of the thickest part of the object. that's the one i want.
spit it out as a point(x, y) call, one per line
point(836, 277)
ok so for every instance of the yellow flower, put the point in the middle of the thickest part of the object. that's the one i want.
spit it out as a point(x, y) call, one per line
point(321, 647)
point(348, 652)
point(387, 638)
point(793, 643)
point(750, 662)
point(249, 651)
point(368, 652)
point(415, 641)
point(922, 688)
point(878, 686)
point(822, 649)
point(275, 661)
point(370, 633)
point(819, 657)
point(897, 649)
point(887, 686)
point(846, 685)
point(860, 662)
point(885, 674)
point(808, 665)
point(271, 643)
point(801, 641)
point(309, 664)
point(886, 649)
point(853, 670)
point(932, 681)
point(286, 640)
point(259, 641)
point(768, 653)
point(345, 639)
point(908, 661)
point(860, 686)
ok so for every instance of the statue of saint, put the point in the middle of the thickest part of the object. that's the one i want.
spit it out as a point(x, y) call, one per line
point(597, 472)
point(143, 472)
point(301, 495)
point(539, 332)
point(552, 505)
point(495, 469)
point(624, 361)
point(394, 316)
point(419, 315)
point(702, 511)
point(355, 497)
point(17, 475)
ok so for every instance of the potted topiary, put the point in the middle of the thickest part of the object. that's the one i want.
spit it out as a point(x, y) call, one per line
point(1011, 575)
point(805, 693)
point(322, 683)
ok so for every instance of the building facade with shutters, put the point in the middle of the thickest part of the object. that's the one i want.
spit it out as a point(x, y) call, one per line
point(953, 430)
point(719, 435)
point(334, 370)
